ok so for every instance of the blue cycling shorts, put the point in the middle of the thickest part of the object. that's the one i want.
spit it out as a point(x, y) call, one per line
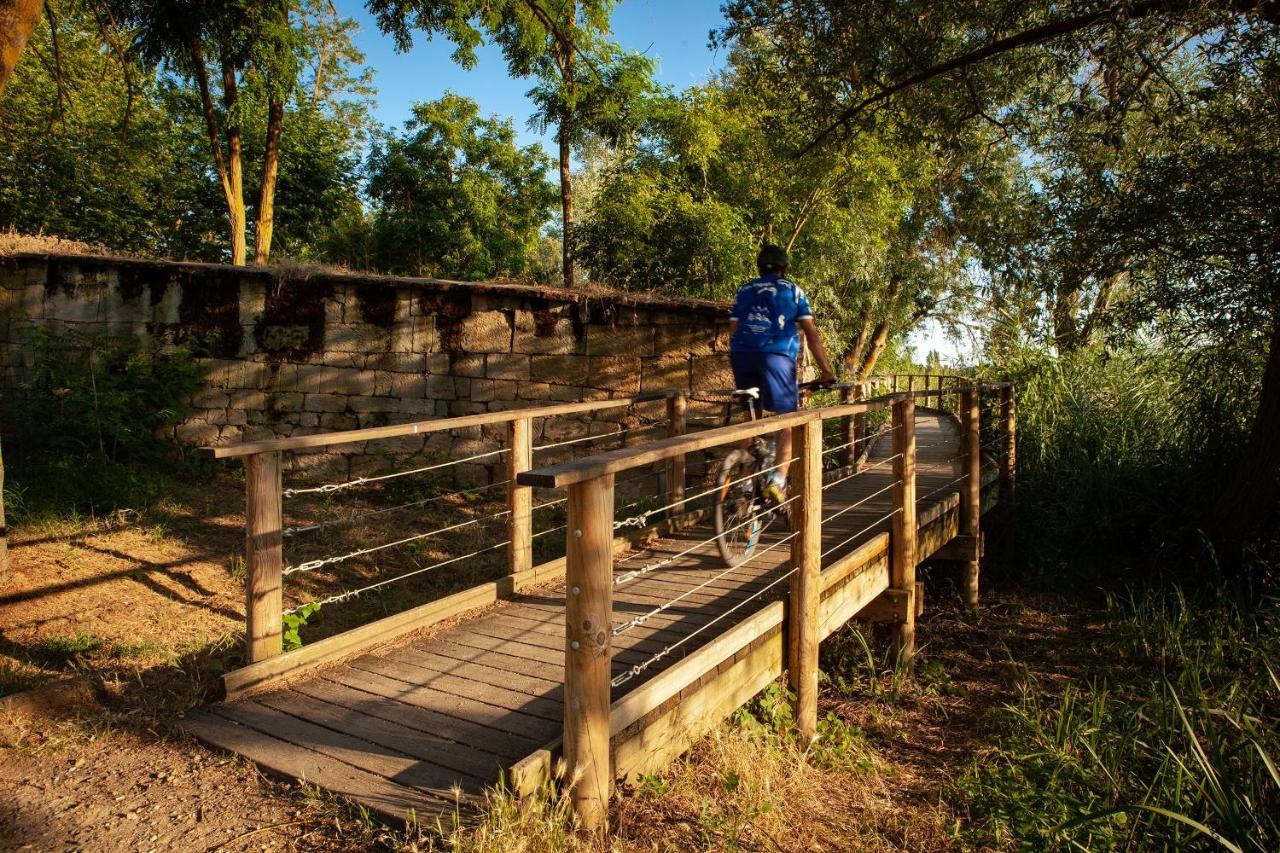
point(773, 373)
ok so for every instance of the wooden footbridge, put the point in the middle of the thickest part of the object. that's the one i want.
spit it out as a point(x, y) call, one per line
point(617, 657)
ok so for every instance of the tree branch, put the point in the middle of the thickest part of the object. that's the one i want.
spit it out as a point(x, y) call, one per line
point(1027, 38)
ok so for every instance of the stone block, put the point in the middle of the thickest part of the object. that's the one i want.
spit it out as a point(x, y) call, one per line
point(411, 384)
point(619, 340)
point(458, 408)
point(619, 373)
point(364, 403)
point(711, 373)
point(402, 338)
point(197, 433)
point(481, 390)
point(309, 419)
point(506, 366)
point(559, 369)
point(338, 421)
point(564, 429)
point(567, 393)
point(424, 334)
point(358, 337)
point(504, 390)
point(545, 333)
point(399, 444)
point(382, 383)
point(673, 339)
point(286, 402)
point(487, 331)
point(324, 403)
point(210, 398)
point(465, 365)
point(437, 362)
point(533, 392)
point(415, 407)
point(441, 387)
point(33, 301)
point(663, 372)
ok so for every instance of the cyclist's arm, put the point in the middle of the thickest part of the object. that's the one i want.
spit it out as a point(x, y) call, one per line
point(814, 339)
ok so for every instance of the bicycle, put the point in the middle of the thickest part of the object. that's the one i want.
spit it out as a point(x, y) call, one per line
point(743, 513)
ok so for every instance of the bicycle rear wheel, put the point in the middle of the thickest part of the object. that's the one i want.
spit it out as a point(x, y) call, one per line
point(740, 517)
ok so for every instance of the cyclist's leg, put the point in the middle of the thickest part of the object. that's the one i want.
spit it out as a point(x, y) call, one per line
point(780, 395)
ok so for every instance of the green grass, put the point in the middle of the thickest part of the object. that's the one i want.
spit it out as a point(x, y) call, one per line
point(1170, 741)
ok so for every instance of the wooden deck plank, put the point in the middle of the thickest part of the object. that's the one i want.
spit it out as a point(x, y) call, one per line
point(506, 720)
point(453, 760)
point(289, 760)
point(475, 693)
point(361, 754)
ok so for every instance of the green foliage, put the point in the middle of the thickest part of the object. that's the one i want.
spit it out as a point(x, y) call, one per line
point(769, 722)
point(104, 144)
point(1120, 449)
point(60, 651)
point(1175, 747)
point(455, 196)
point(294, 623)
point(88, 430)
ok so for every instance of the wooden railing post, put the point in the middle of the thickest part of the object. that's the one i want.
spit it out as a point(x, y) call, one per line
point(1008, 447)
point(262, 556)
point(911, 382)
point(677, 403)
point(859, 422)
point(971, 493)
point(848, 431)
point(519, 498)
point(588, 635)
point(902, 542)
point(893, 383)
point(806, 583)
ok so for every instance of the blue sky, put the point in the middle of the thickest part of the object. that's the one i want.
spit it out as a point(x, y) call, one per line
point(673, 33)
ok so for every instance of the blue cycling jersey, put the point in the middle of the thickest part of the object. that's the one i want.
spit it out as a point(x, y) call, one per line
point(767, 309)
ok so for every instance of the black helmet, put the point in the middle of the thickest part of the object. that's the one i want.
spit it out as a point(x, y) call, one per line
point(771, 257)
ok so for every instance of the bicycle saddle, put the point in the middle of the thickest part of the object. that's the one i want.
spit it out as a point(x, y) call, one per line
point(744, 394)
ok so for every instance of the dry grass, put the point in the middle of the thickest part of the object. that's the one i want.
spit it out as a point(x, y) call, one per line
point(13, 243)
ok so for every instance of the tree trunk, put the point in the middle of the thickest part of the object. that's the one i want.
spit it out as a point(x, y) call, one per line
point(852, 357)
point(18, 20)
point(879, 339)
point(1250, 504)
point(566, 203)
point(267, 198)
point(233, 198)
point(1066, 332)
point(235, 169)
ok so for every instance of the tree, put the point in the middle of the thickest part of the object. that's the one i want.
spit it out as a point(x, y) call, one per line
point(1102, 97)
point(584, 83)
point(244, 40)
point(120, 155)
point(455, 196)
point(715, 175)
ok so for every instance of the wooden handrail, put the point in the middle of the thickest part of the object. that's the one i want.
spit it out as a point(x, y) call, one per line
point(623, 459)
point(328, 439)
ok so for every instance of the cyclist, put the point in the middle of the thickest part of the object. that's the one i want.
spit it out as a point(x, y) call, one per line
point(764, 342)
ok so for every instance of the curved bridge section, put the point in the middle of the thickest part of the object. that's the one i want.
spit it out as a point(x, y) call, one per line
point(639, 648)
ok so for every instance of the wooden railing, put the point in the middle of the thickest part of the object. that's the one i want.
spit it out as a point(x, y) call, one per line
point(589, 718)
point(264, 524)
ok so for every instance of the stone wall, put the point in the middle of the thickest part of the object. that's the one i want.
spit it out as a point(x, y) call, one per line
point(292, 351)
